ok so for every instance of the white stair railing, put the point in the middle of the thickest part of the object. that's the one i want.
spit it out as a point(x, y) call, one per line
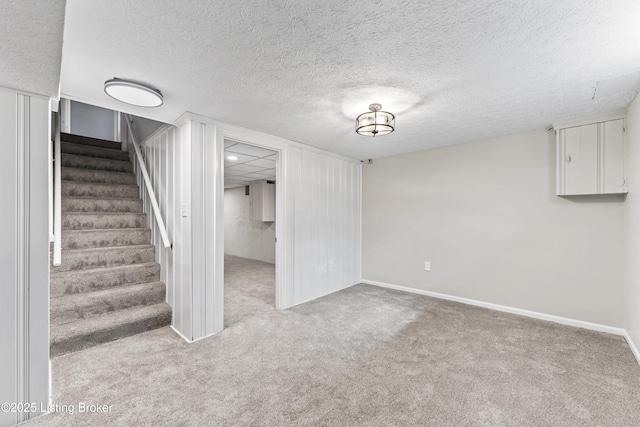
point(147, 182)
point(57, 195)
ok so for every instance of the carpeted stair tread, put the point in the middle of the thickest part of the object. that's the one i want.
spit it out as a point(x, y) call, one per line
point(87, 150)
point(71, 308)
point(88, 141)
point(96, 163)
point(85, 259)
point(93, 189)
point(98, 176)
point(101, 204)
point(98, 220)
point(96, 279)
point(101, 238)
point(79, 335)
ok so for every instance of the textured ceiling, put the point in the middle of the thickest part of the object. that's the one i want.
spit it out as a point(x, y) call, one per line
point(31, 45)
point(451, 72)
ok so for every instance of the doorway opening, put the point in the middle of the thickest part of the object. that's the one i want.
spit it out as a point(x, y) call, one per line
point(249, 230)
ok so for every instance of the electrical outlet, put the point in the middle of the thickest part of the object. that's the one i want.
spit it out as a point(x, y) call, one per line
point(427, 266)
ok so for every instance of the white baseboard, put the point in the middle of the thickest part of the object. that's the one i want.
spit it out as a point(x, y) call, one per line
point(632, 346)
point(512, 310)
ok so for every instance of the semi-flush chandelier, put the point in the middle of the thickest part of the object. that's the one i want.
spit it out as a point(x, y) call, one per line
point(375, 122)
point(133, 93)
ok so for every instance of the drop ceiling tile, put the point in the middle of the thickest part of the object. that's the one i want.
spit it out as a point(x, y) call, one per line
point(242, 158)
point(232, 172)
point(244, 168)
point(259, 176)
point(263, 163)
point(245, 179)
point(250, 150)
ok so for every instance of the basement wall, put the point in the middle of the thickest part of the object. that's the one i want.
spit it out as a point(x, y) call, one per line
point(242, 236)
point(632, 229)
point(92, 121)
point(486, 216)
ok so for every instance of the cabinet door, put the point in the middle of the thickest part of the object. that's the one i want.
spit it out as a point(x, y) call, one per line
point(612, 159)
point(581, 160)
point(255, 191)
point(263, 202)
point(268, 202)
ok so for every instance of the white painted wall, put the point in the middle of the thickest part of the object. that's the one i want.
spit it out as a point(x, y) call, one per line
point(242, 236)
point(24, 253)
point(632, 229)
point(486, 216)
point(89, 120)
point(318, 205)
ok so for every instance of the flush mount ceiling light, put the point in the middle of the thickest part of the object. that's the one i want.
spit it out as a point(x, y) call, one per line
point(375, 122)
point(133, 93)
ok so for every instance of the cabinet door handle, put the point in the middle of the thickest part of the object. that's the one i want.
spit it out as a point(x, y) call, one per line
point(568, 159)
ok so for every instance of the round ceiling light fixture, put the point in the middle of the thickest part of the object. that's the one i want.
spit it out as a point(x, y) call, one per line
point(375, 122)
point(133, 93)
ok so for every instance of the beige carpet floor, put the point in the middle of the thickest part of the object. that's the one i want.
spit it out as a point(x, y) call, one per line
point(364, 356)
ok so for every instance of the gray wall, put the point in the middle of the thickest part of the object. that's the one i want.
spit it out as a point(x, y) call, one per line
point(24, 253)
point(243, 237)
point(486, 216)
point(96, 122)
point(632, 227)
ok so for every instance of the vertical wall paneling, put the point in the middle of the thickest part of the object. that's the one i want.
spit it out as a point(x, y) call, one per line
point(163, 153)
point(284, 192)
point(214, 158)
point(317, 194)
point(186, 260)
point(38, 255)
point(317, 216)
point(8, 257)
point(24, 254)
point(198, 223)
point(168, 264)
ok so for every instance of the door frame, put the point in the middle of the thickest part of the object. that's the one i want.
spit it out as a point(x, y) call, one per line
point(284, 234)
point(278, 283)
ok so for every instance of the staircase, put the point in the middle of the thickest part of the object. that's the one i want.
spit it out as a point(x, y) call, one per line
point(108, 285)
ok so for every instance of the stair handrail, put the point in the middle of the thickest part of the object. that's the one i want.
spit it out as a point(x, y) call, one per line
point(57, 194)
point(147, 182)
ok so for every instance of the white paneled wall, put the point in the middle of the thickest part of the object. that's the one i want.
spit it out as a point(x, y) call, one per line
point(318, 216)
point(163, 157)
point(326, 223)
point(24, 254)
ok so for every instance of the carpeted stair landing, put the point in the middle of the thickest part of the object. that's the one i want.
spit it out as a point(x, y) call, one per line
point(108, 286)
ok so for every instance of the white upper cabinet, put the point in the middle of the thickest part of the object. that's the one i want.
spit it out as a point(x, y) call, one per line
point(263, 201)
point(590, 158)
